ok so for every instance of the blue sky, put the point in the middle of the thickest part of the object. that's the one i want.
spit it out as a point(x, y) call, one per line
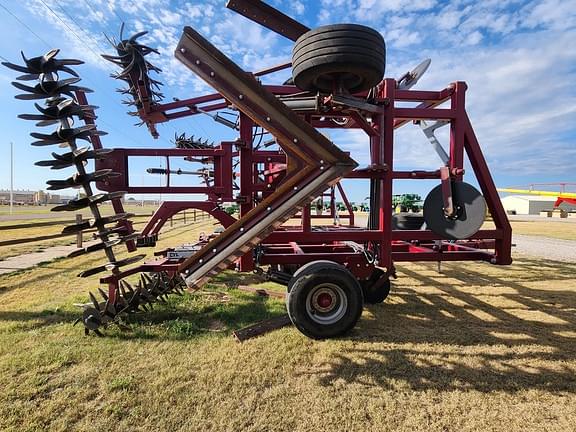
point(518, 58)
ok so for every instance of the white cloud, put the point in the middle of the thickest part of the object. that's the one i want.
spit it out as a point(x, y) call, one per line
point(517, 56)
point(298, 7)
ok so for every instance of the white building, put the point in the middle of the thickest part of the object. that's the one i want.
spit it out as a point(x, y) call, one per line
point(531, 204)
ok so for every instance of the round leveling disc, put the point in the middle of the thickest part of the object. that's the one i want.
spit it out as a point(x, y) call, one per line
point(470, 212)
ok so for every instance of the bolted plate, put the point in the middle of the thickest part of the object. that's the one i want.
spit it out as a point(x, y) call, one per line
point(470, 212)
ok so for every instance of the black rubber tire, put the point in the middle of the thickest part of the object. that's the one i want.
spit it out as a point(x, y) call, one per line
point(308, 278)
point(371, 294)
point(349, 56)
point(407, 221)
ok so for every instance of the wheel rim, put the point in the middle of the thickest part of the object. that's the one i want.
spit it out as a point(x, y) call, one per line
point(326, 303)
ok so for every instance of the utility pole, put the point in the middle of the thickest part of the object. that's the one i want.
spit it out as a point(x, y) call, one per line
point(11, 177)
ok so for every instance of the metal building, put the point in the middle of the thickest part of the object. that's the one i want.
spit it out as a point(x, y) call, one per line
point(531, 204)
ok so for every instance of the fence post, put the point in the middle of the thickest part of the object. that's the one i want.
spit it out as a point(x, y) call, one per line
point(194, 215)
point(170, 221)
point(184, 217)
point(79, 235)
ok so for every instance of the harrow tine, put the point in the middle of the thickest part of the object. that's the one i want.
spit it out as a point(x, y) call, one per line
point(115, 264)
point(94, 301)
point(65, 109)
point(121, 229)
point(68, 159)
point(78, 180)
point(71, 229)
point(28, 77)
point(62, 136)
point(55, 164)
point(94, 248)
point(81, 203)
point(16, 67)
point(109, 309)
point(45, 64)
point(103, 293)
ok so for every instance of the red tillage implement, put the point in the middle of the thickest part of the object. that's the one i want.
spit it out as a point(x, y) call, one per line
point(337, 82)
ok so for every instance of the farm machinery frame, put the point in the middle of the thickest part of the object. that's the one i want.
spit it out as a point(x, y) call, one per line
point(330, 270)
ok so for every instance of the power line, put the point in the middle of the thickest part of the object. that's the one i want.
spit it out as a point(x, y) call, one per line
point(122, 20)
point(50, 46)
point(96, 42)
point(70, 28)
point(98, 56)
point(78, 37)
point(25, 25)
point(94, 14)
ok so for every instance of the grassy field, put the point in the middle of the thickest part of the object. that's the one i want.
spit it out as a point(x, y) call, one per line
point(559, 230)
point(67, 219)
point(475, 348)
point(40, 210)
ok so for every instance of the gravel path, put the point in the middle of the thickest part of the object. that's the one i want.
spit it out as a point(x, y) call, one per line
point(545, 247)
point(21, 262)
point(32, 216)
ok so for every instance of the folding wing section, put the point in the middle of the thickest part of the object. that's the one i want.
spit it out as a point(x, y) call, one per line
point(320, 163)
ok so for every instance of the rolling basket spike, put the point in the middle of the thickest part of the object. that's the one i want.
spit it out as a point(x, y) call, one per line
point(60, 109)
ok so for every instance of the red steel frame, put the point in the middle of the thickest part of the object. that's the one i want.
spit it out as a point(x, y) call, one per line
point(296, 245)
point(304, 243)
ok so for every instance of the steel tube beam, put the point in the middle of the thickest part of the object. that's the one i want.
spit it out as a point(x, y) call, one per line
point(268, 17)
point(321, 162)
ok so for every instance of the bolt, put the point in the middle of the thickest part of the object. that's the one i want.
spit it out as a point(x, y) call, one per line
point(197, 62)
point(214, 250)
point(240, 97)
point(212, 74)
point(268, 208)
point(268, 119)
point(295, 187)
point(321, 161)
point(182, 50)
point(241, 229)
point(200, 260)
point(295, 140)
point(321, 167)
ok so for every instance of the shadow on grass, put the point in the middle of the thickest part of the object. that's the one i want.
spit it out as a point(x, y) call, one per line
point(35, 320)
point(503, 334)
point(182, 318)
point(190, 323)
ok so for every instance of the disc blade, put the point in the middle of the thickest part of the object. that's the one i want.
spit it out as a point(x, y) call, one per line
point(470, 212)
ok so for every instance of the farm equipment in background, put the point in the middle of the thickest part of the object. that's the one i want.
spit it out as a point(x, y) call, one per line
point(407, 203)
point(276, 167)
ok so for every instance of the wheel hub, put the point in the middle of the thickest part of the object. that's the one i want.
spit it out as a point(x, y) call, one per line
point(323, 300)
point(326, 303)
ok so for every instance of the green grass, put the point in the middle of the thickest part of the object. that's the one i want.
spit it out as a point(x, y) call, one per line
point(475, 348)
point(46, 209)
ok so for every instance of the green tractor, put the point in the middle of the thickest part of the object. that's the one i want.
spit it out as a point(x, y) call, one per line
point(407, 203)
point(407, 212)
